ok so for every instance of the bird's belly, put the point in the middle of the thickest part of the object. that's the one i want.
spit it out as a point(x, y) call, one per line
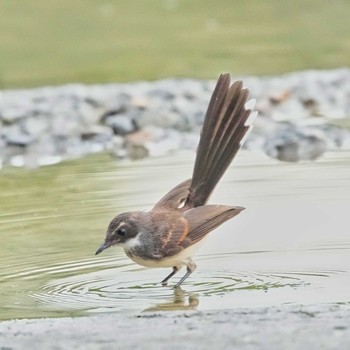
point(181, 259)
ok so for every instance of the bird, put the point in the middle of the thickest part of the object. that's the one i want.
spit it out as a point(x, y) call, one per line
point(172, 231)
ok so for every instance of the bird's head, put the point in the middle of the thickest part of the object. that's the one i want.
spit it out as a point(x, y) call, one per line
point(120, 230)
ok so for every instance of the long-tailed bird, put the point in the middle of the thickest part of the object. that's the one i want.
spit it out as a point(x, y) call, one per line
point(171, 232)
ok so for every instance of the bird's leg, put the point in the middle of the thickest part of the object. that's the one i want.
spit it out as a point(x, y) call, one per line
point(191, 267)
point(167, 278)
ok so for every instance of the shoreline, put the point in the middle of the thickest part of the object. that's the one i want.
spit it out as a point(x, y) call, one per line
point(323, 326)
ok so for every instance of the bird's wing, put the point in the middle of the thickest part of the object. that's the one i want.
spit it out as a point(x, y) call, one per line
point(194, 225)
point(202, 220)
point(175, 197)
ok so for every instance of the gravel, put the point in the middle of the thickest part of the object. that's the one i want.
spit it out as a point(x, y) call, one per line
point(298, 113)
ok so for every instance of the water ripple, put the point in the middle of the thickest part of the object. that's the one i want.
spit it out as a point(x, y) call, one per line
point(117, 289)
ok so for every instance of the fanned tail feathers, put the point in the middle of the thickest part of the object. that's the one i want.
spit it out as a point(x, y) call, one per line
point(224, 129)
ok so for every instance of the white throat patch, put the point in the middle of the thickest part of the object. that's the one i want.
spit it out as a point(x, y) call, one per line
point(131, 243)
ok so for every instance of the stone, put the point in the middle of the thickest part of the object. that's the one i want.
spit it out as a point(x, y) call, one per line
point(140, 102)
point(19, 139)
point(115, 105)
point(98, 133)
point(13, 113)
point(121, 124)
point(35, 125)
point(295, 145)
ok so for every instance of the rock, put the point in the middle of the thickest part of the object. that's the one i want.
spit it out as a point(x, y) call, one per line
point(163, 119)
point(35, 125)
point(162, 94)
point(17, 161)
point(115, 105)
point(121, 124)
point(135, 144)
point(140, 102)
point(279, 97)
point(336, 136)
point(296, 145)
point(139, 138)
point(65, 125)
point(152, 141)
point(117, 148)
point(289, 110)
point(19, 139)
point(88, 114)
point(164, 142)
point(97, 133)
point(135, 152)
point(13, 113)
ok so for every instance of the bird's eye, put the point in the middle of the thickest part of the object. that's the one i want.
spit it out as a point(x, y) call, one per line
point(121, 232)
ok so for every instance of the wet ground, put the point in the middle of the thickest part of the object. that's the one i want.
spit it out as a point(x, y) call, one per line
point(286, 327)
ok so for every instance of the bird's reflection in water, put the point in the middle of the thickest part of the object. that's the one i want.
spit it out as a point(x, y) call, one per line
point(181, 301)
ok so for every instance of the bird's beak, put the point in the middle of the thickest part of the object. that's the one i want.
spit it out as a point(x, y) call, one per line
point(102, 247)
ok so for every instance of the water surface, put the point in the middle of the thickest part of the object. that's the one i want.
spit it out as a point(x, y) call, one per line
point(291, 245)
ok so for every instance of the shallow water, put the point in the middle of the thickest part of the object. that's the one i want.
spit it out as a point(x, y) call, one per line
point(291, 245)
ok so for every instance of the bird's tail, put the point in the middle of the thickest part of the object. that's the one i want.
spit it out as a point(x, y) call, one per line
point(225, 127)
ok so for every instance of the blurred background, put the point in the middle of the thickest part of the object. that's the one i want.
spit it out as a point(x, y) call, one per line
point(95, 41)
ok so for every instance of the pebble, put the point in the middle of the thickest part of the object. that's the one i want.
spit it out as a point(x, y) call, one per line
point(121, 124)
point(297, 117)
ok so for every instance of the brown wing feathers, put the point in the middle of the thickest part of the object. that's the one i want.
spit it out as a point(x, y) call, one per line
point(195, 224)
point(176, 196)
point(202, 220)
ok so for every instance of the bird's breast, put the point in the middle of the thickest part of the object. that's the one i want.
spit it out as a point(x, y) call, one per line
point(184, 257)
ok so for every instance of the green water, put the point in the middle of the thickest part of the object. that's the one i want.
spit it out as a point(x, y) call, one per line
point(291, 245)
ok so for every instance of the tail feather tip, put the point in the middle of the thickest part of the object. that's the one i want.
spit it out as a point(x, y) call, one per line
point(251, 119)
